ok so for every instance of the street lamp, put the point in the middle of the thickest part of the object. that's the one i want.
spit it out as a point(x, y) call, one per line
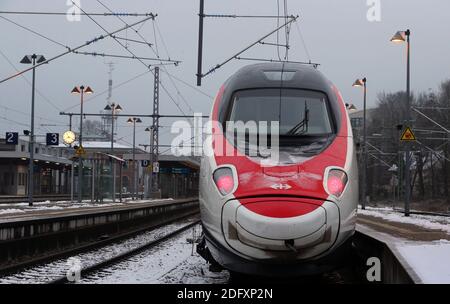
point(134, 120)
point(32, 59)
point(403, 36)
point(150, 187)
point(113, 108)
point(81, 90)
point(363, 83)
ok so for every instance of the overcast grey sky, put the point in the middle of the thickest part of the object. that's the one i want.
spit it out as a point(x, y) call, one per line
point(337, 35)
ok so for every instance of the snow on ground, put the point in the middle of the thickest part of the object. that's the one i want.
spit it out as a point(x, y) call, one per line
point(431, 261)
point(47, 272)
point(11, 211)
point(20, 208)
point(425, 221)
point(173, 262)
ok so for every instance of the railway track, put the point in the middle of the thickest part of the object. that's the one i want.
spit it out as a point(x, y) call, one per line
point(125, 255)
point(54, 270)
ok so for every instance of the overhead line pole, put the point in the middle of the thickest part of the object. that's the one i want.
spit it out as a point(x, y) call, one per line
point(32, 139)
point(201, 16)
point(155, 129)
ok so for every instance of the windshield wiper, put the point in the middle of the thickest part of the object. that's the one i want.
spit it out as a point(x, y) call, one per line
point(302, 126)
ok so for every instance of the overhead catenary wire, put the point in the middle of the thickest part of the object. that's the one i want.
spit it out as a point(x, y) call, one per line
point(34, 32)
point(287, 31)
point(169, 75)
point(28, 114)
point(156, 52)
point(128, 50)
point(315, 65)
point(29, 82)
point(189, 85)
point(132, 40)
point(247, 48)
point(122, 14)
point(278, 32)
point(303, 41)
point(70, 50)
point(182, 144)
point(245, 16)
point(136, 31)
point(163, 61)
point(273, 44)
point(162, 85)
point(106, 91)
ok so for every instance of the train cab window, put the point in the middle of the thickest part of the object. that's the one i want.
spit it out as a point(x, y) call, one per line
point(299, 112)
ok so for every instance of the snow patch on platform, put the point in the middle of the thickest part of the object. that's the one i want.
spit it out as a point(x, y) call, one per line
point(429, 260)
point(425, 221)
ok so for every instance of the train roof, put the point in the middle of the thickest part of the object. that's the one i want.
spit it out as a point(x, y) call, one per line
point(266, 75)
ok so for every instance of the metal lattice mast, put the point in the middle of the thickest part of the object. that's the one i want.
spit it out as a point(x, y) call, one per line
point(155, 125)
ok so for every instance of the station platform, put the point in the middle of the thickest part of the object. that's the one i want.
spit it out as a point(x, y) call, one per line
point(34, 233)
point(421, 243)
point(17, 212)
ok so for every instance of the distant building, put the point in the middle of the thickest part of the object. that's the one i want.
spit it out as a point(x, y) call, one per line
point(357, 121)
point(51, 169)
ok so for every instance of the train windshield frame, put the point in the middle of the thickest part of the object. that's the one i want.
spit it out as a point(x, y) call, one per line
point(283, 105)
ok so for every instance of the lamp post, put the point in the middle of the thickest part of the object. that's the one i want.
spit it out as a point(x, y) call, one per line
point(81, 90)
point(113, 108)
point(400, 37)
point(32, 59)
point(134, 120)
point(150, 186)
point(363, 83)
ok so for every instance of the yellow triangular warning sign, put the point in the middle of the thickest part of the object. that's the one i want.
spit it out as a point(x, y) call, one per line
point(408, 135)
point(80, 151)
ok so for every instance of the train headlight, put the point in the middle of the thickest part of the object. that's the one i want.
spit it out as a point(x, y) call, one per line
point(223, 177)
point(336, 182)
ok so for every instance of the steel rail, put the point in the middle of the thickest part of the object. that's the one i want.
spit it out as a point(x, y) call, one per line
point(124, 256)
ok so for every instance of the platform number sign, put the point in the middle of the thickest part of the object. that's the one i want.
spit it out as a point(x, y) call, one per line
point(52, 139)
point(12, 138)
point(145, 163)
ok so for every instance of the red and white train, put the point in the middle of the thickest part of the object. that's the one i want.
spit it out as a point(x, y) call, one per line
point(292, 217)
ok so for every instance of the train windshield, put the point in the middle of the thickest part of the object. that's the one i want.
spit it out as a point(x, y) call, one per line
point(299, 113)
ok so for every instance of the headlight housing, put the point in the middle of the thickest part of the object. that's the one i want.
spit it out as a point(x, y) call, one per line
point(336, 182)
point(224, 180)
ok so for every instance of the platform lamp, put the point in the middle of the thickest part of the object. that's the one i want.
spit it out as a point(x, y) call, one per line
point(32, 59)
point(114, 108)
point(401, 37)
point(134, 120)
point(81, 90)
point(363, 83)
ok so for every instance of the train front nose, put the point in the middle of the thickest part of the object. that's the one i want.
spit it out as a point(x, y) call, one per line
point(268, 228)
